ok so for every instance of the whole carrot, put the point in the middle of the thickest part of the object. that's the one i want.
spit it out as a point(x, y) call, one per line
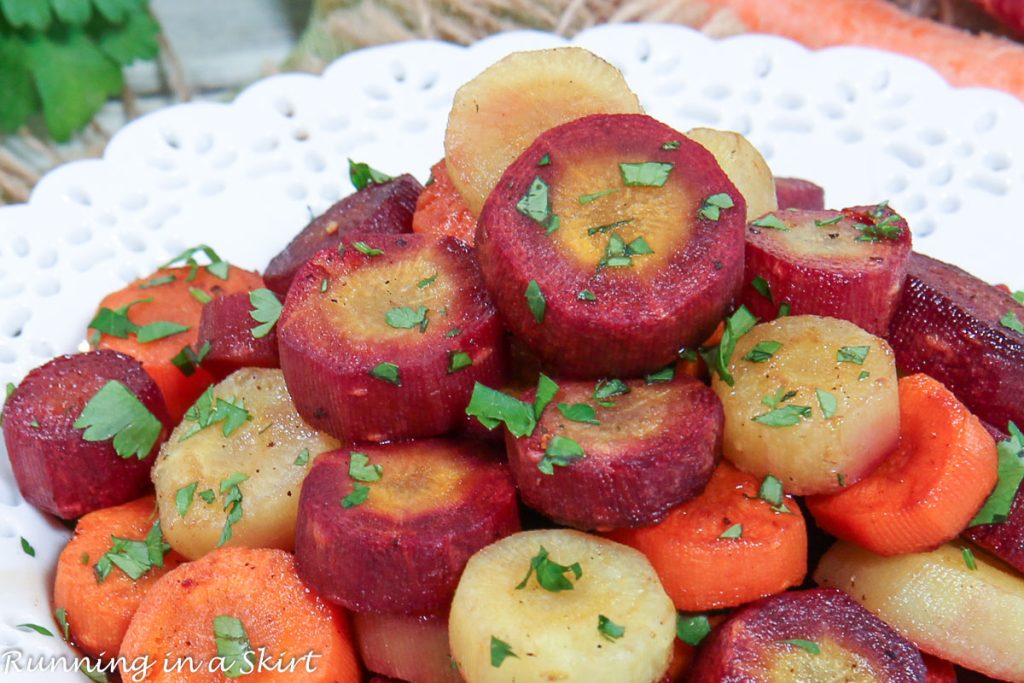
point(963, 59)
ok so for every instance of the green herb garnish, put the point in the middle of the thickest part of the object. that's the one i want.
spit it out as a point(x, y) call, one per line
point(500, 650)
point(363, 175)
point(852, 354)
point(827, 402)
point(233, 645)
point(266, 309)
point(560, 452)
point(535, 301)
point(551, 576)
point(770, 221)
point(646, 174)
point(387, 372)
point(608, 629)
point(763, 351)
point(115, 413)
point(711, 208)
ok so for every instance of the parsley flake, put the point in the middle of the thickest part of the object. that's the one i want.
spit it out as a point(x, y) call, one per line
point(363, 175)
point(786, 416)
point(586, 295)
point(646, 174)
point(560, 452)
point(266, 309)
point(666, 374)
point(670, 145)
point(405, 318)
point(232, 504)
point(302, 459)
point(500, 650)
point(579, 412)
point(217, 266)
point(829, 222)
point(827, 402)
point(1011, 322)
point(969, 560)
point(360, 469)
point(535, 204)
point(233, 646)
point(806, 645)
point(199, 295)
point(608, 388)
point(159, 330)
point(852, 354)
point(360, 492)
point(763, 351)
point(134, 558)
point(41, 630)
point(491, 407)
point(183, 498)
point(535, 301)
point(115, 413)
point(761, 286)
point(458, 360)
point(770, 221)
point(188, 361)
point(608, 226)
point(387, 372)
point(551, 576)
point(27, 548)
point(546, 390)
point(426, 281)
point(209, 410)
point(718, 358)
point(711, 208)
point(587, 198)
point(366, 250)
point(158, 281)
point(735, 531)
point(1011, 473)
point(608, 629)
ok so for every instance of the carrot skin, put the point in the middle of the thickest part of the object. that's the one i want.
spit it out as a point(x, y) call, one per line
point(441, 210)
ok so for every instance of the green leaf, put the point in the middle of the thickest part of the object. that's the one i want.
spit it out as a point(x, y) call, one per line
point(27, 548)
point(607, 388)
point(500, 650)
point(535, 301)
point(786, 416)
point(41, 630)
point(852, 354)
point(302, 459)
point(666, 374)
point(19, 99)
point(830, 221)
point(579, 412)
point(426, 281)
point(586, 295)
point(183, 498)
point(116, 11)
point(1011, 473)
point(969, 560)
point(159, 330)
point(209, 410)
point(544, 160)
point(233, 646)
point(187, 360)
point(546, 390)
point(405, 318)
point(718, 359)
point(32, 14)
point(551, 576)
point(803, 644)
point(134, 558)
point(94, 672)
point(560, 452)
point(366, 249)
point(266, 309)
point(61, 613)
point(770, 221)
point(763, 351)
point(692, 629)
point(208, 496)
point(608, 629)
point(646, 174)
point(458, 360)
point(115, 322)
point(770, 491)
point(1011, 322)
point(360, 469)
point(535, 203)
point(199, 295)
point(827, 402)
point(363, 175)
point(360, 492)
point(74, 79)
point(114, 412)
point(609, 226)
point(232, 504)
point(387, 372)
point(761, 286)
point(159, 281)
point(135, 39)
point(711, 208)
point(492, 407)
point(671, 144)
point(735, 531)
point(587, 198)
point(73, 12)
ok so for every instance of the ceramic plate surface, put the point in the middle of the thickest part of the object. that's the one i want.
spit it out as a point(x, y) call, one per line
point(244, 178)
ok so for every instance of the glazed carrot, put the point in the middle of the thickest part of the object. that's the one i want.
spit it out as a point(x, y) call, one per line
point(440, 209)
point(241, 600)
point(700, 569)
point(928, 489)
point(938, 670)
point(97, 611)
point(178, 301)
point(963, 59)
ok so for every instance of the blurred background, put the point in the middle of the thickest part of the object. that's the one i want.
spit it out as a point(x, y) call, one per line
point(74, 71)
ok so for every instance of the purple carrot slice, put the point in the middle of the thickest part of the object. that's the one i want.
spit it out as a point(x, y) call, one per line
point(797, 193)
point(226, 324)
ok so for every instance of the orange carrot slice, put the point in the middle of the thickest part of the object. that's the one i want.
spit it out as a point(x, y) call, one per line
point(725, 547)
point(928, 489)
point(98, 611)
point(440, 209)
point(169, 296)
point(240, 600)
point(963, 59)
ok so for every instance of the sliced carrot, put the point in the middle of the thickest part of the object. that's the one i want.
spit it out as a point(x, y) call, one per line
point(440, 209)
point(962, 58)
point(926, 491)
point(97, 611)
point(938, 670)
point(700, 569)
point(175, 301)
point(287, 625)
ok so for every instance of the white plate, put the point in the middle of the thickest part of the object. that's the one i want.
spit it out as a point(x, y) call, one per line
point(243, 177)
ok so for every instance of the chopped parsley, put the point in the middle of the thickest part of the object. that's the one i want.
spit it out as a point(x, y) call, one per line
point(366, 250)
point(587, 198)
point(763, 351)
point(586, 295)
point(187, 360)
point(608, 388)
point(827, 402)
point(535, 301)
point(387, 372)
point(545, 160)
point(619, 254)
point(551, 576)
point(115, 413)
point(718, 358)
point(670, 145)
point(770, 491)
point(232, 504)
point(608, 629)
point(405, 318)
point(1011, 473)
point(360, 492)
point(535, 204)
point(1011, 322)
point(426, 281)
point(233, 645)
point(323, 285)
point(199, 295)
point(761, 286)
point(560, 452)
point(829, 222)
point(806, 645)
point(500, 650)
point(852, 354)
point(491, 407)
point(646, 174)
point(115, 323)
point(134, 558)
point(608, 226)
point(61, 613)
point(158, 281)
point(41, 630)
point(458, 360)
point(969, 560)
point(784, 416)
point(864, 374)
point(885, 229)
point(159, 330)
point(770, 221)
point(735, 531)
point(711, 208)
point(579, 412)
point(666, 374)
point(266, 309)
point(363, 175)
point(27, 548)
point(784, 309)
point(209, 410)
point(217, 266)
point(692, 629)
point(360, 469)
point(302, 459)
point(546, 390)
point(183, 498)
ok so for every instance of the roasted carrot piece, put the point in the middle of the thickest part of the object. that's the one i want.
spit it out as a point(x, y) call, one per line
point(938, 670)
point(926, 491)
point(240, 600)
point(440, 209)
point(98, 611)
point(169, 296)
point(963, 59)
point(725, 547)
